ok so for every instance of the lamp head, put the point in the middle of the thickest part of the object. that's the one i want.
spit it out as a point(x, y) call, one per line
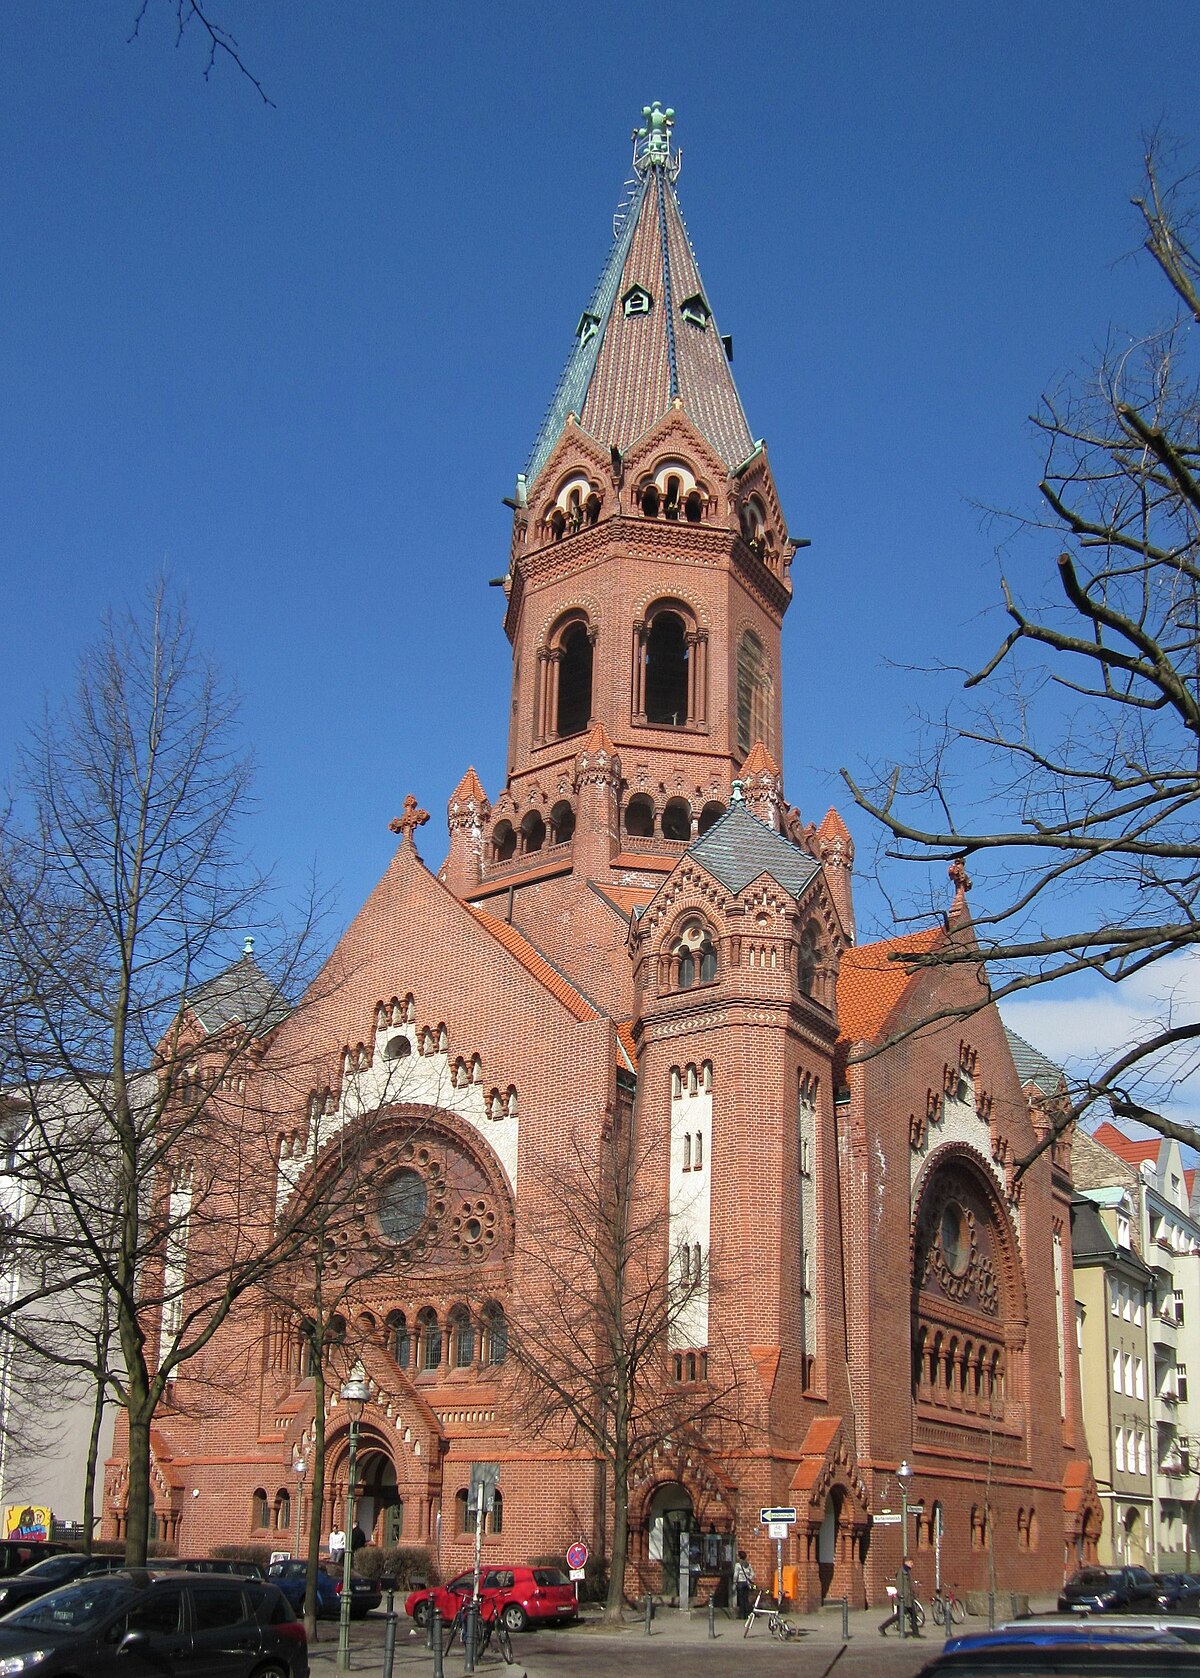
point(355, 1393)
point(904, 1473)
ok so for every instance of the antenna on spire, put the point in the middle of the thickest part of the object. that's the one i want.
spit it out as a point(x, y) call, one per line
point(652, 142)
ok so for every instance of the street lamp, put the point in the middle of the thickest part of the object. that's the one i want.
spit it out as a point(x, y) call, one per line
point(355, 1394)
point(904, 1475)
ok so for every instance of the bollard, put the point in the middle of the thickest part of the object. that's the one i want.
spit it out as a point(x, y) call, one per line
point(389, 1646)
point(991, 1611)
point(435, 1632)
point(649, 1613)
point(469, 1640)
point(429, 1613)
point(712, 1617)
point(845, 1619)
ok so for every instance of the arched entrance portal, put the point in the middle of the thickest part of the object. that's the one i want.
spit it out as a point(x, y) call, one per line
point(671, 1518)
point(380, 1506)
point(827, 1541)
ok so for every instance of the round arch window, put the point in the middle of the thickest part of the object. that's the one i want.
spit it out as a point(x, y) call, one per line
point(403, 1205)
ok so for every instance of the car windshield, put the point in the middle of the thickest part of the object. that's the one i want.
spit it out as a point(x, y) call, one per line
point(1092, 1578)
point(77, 1608)
point(54, 1567)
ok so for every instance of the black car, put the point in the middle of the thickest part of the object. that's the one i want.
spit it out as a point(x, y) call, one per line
point(1109, 1590)
point(220, 1564)
point(1178, 1593)
point(140, 1623)
point(49, 1574)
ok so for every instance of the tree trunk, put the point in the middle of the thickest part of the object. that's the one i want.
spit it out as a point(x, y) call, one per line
point(137, 1508)
point(614, 1604)
point(89, 1477)
point(316, 1511)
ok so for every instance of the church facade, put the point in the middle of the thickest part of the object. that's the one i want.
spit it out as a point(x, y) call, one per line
point(638, 934)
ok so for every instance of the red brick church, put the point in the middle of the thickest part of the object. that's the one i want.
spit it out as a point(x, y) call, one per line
point(638, 929)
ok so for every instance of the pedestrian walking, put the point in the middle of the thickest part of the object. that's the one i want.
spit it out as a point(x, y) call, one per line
point(903, 1596)
point(743, 1578)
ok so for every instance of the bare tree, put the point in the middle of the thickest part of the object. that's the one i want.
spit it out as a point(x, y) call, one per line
point(121, 891)
point(602, 1303)
point(1071, 781)
point(221, 42)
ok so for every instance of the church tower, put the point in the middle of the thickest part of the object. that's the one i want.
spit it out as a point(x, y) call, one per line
point(647, 582)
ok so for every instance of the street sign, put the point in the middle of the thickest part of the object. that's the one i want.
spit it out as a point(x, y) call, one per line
point(887, 1519)
point(487, 1475)
point(766, 1516)
point(577, 1556)
point(778, 1529)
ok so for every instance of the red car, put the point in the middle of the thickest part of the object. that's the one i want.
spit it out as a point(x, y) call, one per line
point(525, 1594)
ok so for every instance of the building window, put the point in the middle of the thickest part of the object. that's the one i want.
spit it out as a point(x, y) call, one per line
point(1181, 1382)
point(429, 1333)
point(753, 694)
point(698, 1151)
point(694, 956)
point(496, 1327)
point(639, 817)
point(261, 1516)
point(494, 1523)
point(562, 823)
point(283, 1509)
point(462, 1511)
point(666, 671)
point(570, 673)
point(1119, 1450)
point(637, 301)
point(462, 1331)
point(399, 1343)
point(687, 1150)
point(677, 819)
point(1116, 1371)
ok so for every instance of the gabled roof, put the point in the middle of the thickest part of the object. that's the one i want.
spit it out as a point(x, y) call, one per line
point(535, 963)
point(870, 984)
point(627, 368)
point(625, 901)
point(242, 995)
point(1089, 1238)
point(1134, 1150)
point(1032, 1066)
point(738, 848)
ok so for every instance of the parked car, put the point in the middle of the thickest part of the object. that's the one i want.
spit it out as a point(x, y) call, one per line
point(140, 1620)
point(1178, 1593)
point(49, 1574)
point(290, 1576)
point(221, 1564)
point(544, 1594)
point(1094, 1649)
point(1109, 1590)
point(16, 1554)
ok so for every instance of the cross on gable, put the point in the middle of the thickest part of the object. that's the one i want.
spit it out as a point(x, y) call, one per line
point(959, 877)
point(409, 822)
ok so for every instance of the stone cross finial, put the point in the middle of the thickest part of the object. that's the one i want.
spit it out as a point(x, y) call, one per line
point(409, 822)
point(959, 877)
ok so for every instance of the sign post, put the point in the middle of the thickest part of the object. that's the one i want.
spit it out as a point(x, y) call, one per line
point(485, 1476)
point(778, 1523)
point(577, 1558)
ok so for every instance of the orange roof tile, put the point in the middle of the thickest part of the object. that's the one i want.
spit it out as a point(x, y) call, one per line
point(650, 862)
point(759, 761)
point(870, 984)
point(535, 963)
point(1189, 1178)
point(627, 898)
point(1134, 1150)
point(625, 1038)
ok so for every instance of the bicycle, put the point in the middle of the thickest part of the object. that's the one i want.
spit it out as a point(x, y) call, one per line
point(777, 1622)
point(489, 1624)
point(916, 1613)
point(947, 1609)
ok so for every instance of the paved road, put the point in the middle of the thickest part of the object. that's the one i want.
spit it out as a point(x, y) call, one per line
point(677, 1648)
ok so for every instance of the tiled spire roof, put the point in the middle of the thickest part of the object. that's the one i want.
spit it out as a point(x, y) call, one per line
point(627, 368)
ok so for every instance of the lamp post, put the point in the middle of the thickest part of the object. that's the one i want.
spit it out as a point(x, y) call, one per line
point(299, 1469)
point(904, 1475)
point(355, 1394)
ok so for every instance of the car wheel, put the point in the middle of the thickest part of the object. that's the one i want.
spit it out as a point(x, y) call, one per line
point(514, 1616)
point(274, 1670)
point(420, 1613)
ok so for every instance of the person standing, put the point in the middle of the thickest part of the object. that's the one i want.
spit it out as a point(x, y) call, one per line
point(337, 1547)
point(743, 1578)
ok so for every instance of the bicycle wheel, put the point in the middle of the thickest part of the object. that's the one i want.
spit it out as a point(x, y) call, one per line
point(504, 1642)
point(778, 1628)
point(938, 1609)
point(918, 1613)
point(958, 1612)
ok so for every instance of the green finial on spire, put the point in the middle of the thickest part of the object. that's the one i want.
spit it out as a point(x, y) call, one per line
point(654, 135)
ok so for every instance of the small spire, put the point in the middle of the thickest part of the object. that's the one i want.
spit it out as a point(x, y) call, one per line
point(652, 141)
point(248, 947)
point(737, 794)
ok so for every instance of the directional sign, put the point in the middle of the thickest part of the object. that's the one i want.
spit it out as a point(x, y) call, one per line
point(766, 1516)
point(887, 1519)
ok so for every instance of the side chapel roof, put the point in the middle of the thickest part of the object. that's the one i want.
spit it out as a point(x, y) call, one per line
point(241, 995)
point(629, 365)
point(870, 983)
point(1033, 1067)
point(738, 848)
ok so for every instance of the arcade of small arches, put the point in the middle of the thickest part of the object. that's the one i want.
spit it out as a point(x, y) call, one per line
point(690, 957)
point(676, 821)
point(429, 1341)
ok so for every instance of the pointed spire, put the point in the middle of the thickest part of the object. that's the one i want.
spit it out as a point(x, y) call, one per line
point(648, 338)
point(835, 848)
point(764, 785)
point(468, 802)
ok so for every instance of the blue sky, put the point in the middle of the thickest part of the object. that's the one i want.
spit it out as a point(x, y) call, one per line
point(296, 355)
